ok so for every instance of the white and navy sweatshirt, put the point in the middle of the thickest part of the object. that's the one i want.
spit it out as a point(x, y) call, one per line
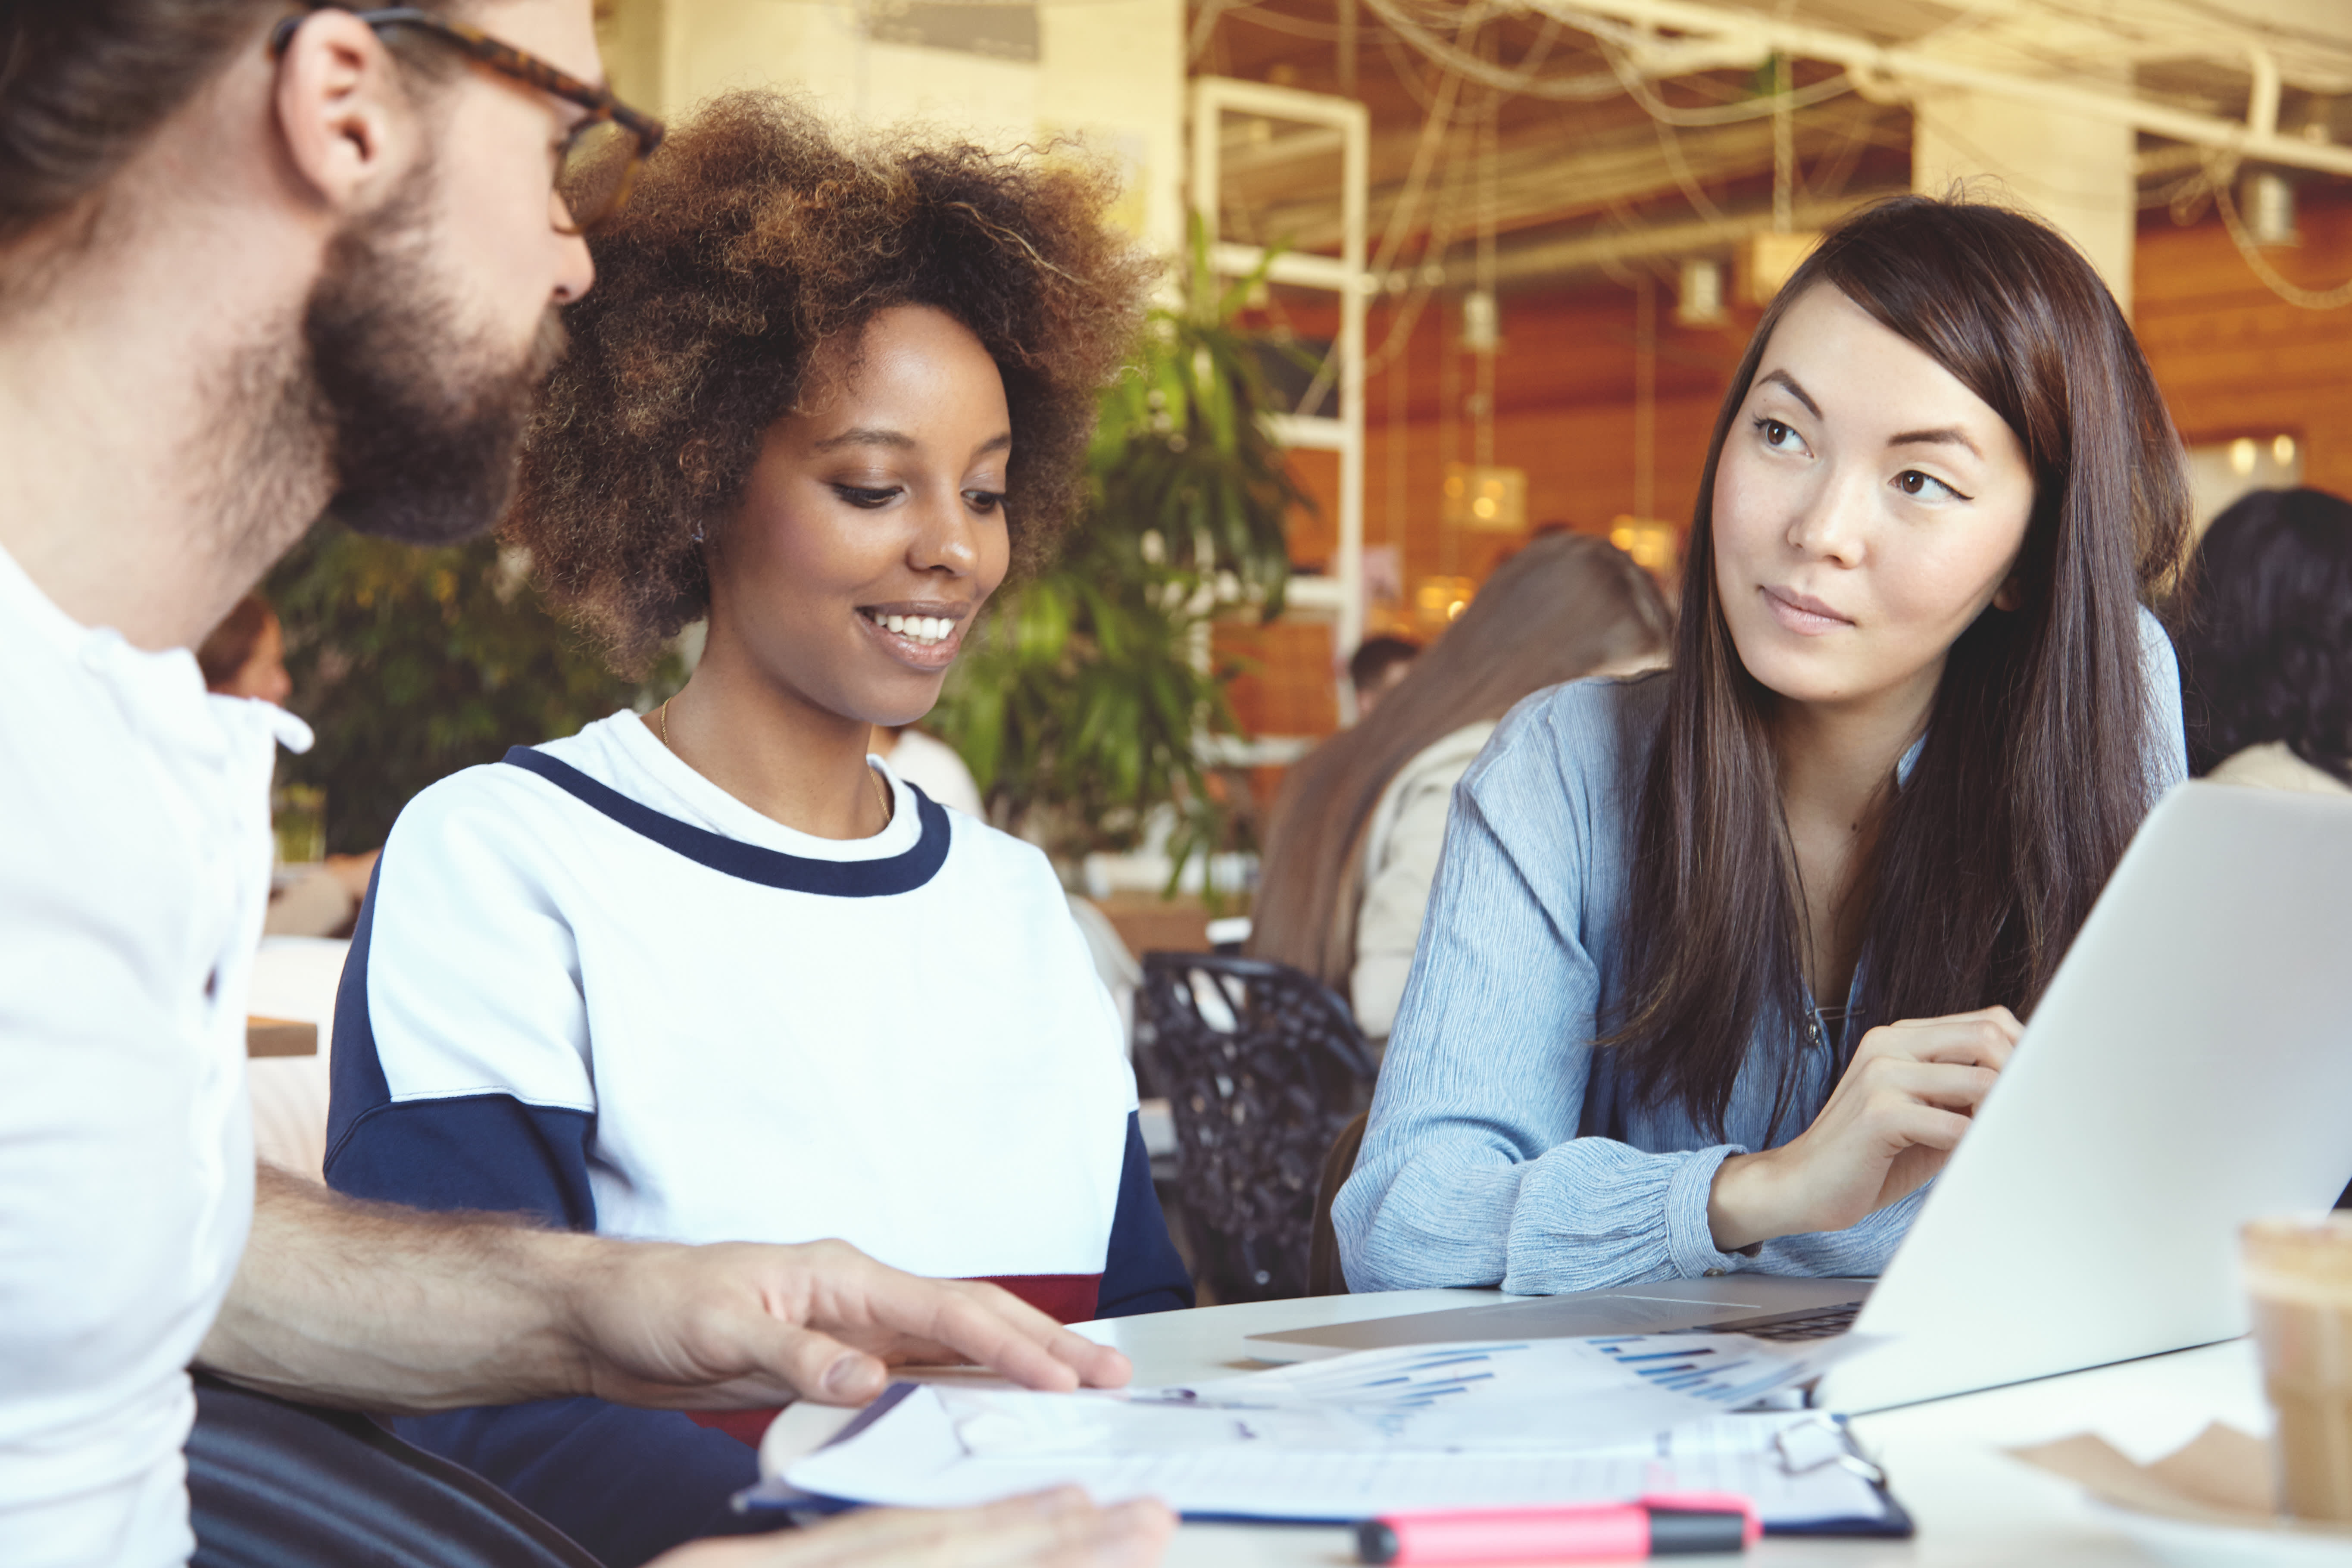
point(591, 986)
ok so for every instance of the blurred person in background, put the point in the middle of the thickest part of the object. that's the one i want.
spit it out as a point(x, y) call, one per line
point(930, 765)
point(2266, 655)
point(1376, 666)
point(245, 655)
point(1354, 842)
point(826, 394)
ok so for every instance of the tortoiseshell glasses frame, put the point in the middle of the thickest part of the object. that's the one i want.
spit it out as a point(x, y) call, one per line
point(595, 170)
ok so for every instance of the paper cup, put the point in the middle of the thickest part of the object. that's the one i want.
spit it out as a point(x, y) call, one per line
point(2299, 1273)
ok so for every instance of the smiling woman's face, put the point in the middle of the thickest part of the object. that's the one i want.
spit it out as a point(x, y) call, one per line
point(1867, 508)
point(872, 528)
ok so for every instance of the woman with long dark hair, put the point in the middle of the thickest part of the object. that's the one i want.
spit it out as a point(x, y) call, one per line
point(2266, 657)
point(1719, 961)
point(1356, 833)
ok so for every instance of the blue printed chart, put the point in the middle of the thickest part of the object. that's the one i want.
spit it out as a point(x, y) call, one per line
point(1503, 1397)
point(1722, 1370)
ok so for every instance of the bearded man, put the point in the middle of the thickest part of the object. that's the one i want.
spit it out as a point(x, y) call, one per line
point(259, 260)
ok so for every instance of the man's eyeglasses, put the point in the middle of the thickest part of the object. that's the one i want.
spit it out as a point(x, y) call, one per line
point(599, 160)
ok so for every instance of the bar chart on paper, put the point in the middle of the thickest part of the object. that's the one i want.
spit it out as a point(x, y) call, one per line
point(1722, 1370)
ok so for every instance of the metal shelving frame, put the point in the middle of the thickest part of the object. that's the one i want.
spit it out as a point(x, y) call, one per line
point(1339, 594)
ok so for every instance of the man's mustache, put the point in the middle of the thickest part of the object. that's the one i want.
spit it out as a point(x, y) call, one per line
point(550, 343)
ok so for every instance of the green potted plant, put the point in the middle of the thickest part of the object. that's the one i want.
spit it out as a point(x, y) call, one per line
point(1089, 697)
point(411, 664)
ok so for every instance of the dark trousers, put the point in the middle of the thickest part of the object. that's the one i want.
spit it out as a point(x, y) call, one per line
point(272, 1484)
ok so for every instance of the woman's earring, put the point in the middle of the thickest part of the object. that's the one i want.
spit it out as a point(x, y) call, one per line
point(697, 534)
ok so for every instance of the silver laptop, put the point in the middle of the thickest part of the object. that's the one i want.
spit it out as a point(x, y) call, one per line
point(2188, 1068)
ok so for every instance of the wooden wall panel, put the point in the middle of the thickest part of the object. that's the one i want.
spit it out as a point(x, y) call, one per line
point(1564, 397)
point(1581, 471)
point(1288, 686)
point(1312, 530)
point(2233, 358)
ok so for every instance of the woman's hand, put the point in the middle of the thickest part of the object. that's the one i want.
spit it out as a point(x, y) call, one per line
point(1051, 1529)
point(1890, 1124)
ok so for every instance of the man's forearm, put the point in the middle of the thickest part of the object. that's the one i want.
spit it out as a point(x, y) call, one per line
point(374, 1307)
point(383, 1308)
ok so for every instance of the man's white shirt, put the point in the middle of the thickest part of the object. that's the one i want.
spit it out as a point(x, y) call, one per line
point(134, 871)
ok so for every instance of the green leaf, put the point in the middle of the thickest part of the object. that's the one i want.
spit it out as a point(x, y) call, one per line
point(411, 664)
point(1079, 704)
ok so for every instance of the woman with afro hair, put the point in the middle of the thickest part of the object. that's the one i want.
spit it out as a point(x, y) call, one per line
point(713, 973)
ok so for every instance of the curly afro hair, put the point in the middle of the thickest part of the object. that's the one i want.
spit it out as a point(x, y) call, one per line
point(755, 235)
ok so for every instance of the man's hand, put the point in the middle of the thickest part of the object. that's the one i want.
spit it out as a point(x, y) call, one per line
point(374, 1307)
point(738, 1326)
point(1052, 1529)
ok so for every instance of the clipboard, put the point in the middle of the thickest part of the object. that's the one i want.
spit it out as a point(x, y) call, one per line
point(1837, 1447)
point(774, 1494)
point(1733, 1457)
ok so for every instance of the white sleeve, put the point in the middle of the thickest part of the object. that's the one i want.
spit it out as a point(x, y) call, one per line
point(1396, 896)
point(125, 1163)
point(466, 957)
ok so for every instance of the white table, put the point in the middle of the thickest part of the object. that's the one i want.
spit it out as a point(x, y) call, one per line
point(294, 977)
point(1973, 1504)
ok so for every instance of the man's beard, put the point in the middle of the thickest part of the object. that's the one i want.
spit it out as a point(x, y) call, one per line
point(422, 417)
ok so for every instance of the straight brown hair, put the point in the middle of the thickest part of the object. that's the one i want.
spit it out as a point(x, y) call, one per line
point(2034, 770)
point(1563, 607)
point(85, 84)
point(227, 646)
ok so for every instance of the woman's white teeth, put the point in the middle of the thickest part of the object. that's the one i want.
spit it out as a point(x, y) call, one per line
point(917, 628)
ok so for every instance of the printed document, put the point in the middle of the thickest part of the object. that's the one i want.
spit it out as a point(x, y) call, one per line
point(1423, 1426)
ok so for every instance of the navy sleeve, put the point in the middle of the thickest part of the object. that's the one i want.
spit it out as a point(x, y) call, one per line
point(1142, 1272)
point(481, 1152)
point(627, 1485)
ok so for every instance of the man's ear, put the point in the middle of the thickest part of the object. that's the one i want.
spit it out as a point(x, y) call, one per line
point(349, 124)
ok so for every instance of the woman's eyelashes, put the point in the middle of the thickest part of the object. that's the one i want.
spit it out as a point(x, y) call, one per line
point(1927, 487)
point(870, 498)
point(1778, 436)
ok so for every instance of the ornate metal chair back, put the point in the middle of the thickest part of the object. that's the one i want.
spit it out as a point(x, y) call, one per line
point(1262, 1067)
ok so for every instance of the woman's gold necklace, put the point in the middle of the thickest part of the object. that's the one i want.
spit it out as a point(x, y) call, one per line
point(661, 723)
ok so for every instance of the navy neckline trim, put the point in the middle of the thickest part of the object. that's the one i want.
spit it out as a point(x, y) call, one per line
point(901, 873)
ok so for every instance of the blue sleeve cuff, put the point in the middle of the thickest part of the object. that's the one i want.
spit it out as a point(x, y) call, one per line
point(1690, 1239)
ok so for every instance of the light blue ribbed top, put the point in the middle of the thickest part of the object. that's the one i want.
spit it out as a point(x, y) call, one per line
point(1473, 1171)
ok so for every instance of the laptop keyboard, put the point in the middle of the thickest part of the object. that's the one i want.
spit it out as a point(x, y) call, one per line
point(1825, 1324)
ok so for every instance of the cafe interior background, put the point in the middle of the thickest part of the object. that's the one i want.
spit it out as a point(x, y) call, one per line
point(1441, 276)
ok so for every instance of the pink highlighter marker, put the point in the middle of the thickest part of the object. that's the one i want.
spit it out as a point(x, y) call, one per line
point(1662, 1525)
